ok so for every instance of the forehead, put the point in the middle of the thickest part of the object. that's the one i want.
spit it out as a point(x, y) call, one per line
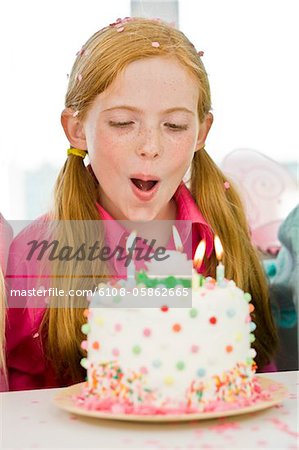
point(157, 83)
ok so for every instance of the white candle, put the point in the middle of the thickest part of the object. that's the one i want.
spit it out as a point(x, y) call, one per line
point(131, 266)
point(220, 267)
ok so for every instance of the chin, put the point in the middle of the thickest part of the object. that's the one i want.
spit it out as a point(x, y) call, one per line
point(141, 216)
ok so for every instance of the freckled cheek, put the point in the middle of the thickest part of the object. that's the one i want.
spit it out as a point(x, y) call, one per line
point(183, 149)
point(105, 150)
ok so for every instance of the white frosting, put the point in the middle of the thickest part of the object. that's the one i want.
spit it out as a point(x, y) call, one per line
point(175, 348)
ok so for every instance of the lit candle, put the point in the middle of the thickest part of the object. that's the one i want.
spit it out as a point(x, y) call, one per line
point(197, 262)
point(130, 249)
point(220, 266)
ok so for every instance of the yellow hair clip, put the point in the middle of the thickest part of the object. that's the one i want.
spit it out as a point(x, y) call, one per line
point(77, 152)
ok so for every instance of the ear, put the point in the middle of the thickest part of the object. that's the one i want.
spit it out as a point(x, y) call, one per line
point(73, 129)
point(204, 129)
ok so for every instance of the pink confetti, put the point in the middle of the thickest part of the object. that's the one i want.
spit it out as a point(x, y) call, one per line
point(262, 443)
point(155, 44)
point(76, 113)
point(283, 427)
point(80, 52)
point(84, 345)
point(120, 29)
point(226, 185)
point(200, 53)
point(35, 335)
point(221, 427)
point(79, 77)
point(118, 327)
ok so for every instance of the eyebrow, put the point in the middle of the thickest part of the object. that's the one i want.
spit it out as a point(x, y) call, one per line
point(167, 111)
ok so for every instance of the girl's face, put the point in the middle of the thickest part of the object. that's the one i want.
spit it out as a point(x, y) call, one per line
point(141, 134)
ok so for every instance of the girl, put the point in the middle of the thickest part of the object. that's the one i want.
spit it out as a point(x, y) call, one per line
point(5, 239)
point(138, 102)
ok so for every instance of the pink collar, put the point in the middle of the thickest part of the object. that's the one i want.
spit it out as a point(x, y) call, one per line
point(188, 218)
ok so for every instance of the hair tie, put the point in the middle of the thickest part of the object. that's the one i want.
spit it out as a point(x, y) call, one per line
point(76, 152)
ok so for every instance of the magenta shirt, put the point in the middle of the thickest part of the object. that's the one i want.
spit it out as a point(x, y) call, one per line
point(28, 367)
point(5, 240)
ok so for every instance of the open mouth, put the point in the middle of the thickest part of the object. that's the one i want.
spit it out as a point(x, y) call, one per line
point(143, 185)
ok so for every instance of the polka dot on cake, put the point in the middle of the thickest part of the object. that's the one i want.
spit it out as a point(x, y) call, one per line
point(84, 345)
point(86, 313)
point(180, 365)
point(252, 353)
point(230, 313)
point(251, 307)
point(157, 363)
point(85, 328)
point(99, 321)
point(176, 328)
point(96, 345)
point(147, 332)
point(194, 348)
point(239, 337)
point(201, 372)
point(168, 380)
point(193, 313)
point(136, 349)
point(252, 326)
point(164, 308)
point(247, 296)
point(84, 363)
point(117, 299)
point(229, 348)
point(118, 327)
point(213, 320)
point(143, 370)
point(115, 352)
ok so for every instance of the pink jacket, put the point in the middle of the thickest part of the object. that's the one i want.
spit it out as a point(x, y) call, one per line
point(5, 240)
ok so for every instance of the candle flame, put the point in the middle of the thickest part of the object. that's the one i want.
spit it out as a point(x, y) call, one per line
point(218, 248)
point(199, 254)
point(177, 240)
point(130, 240)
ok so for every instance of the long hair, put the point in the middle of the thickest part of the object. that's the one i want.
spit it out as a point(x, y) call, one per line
point(104, 56)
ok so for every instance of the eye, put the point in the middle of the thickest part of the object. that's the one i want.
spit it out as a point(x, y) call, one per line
point(120, 124)
point(176, 127)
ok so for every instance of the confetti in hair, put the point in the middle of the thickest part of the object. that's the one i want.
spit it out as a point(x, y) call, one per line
point(200, 53)
point(226, 185)
point(76, 113)
point(155, 44)
point(79, 77)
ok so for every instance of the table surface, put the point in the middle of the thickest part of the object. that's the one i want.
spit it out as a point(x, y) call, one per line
point(31, 420)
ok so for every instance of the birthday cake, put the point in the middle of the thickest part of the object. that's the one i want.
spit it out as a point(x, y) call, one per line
point(170, 359)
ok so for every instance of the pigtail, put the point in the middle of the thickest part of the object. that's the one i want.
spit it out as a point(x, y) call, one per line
point(223, 210)
point(77, 221)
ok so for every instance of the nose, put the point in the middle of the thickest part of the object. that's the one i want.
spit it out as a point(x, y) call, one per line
point(149, 146)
